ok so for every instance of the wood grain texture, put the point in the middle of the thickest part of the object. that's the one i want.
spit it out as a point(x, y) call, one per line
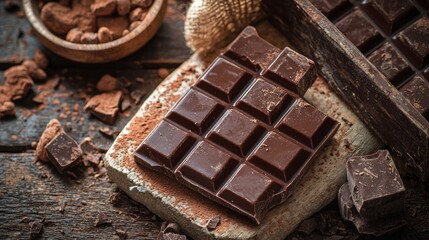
point(103, 52)
point(31, 192)
point(191, 211)
point(364, 88)
point(76, 85)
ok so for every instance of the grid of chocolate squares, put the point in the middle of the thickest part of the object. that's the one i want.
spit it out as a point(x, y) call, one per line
point(394, 36)
point(242, 122)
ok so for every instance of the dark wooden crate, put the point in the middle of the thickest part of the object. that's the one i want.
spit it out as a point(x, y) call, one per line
point(366, 90)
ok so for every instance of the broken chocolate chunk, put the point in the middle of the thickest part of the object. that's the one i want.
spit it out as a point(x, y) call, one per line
point(375, 227)
point(105, 106)
point(63, 152)
point(53, 128)
point(213, 223)
point(376, 186)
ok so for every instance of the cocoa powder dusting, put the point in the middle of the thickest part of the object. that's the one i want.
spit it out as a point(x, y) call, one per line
point(53, 128)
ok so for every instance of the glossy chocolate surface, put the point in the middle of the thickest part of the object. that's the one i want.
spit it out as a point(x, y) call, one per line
point(237, 136)
point(376, 186)
point(394, 35)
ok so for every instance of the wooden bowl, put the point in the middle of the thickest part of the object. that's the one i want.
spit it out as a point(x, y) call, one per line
point(102, 52)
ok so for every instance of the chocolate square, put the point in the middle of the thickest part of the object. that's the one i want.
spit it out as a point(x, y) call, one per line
point(376, 186)
point(248, 188)
point(293, 71)
point(195, 111)
point(63, 152)
point(390, 63)
point(359, 31)
point(264, 101)
point(236, 132)
point(390, 15)
point(279, 156)
point(224, 80)
point(208, 166)
point(417, 92)
point(306, 124)
point(165, 146)
point(252, 51)
point(413, 41)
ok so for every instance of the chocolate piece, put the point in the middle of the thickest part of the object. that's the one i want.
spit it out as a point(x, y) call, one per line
point(293, 71)
point(417, 92)
point(376, 228)
point(331, 8)
point(375, 171)
point(224, 80)
point(252, 51)
point(390, 63)
point(53, 128)
point(390, 15)
point(413, 41)
point(359, 31)
point(105, 106)
point(63, 152)
point(213, 223)
point(196, 111)
point(236, 126)
point(57, 18)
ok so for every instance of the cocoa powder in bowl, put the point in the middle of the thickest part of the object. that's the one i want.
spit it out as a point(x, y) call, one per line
point(92, 21)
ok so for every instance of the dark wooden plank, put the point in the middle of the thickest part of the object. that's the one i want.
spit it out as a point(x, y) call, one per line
point(366, 90)
point(30, 192)
point(16, 43)
point(75, 86)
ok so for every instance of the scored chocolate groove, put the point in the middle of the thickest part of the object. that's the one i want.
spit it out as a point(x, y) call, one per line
point(394, 35)
point(242, 136)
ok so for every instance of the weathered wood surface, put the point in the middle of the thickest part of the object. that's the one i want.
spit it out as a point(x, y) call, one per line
point(377, 102)
point(31, 192)
point(174, 202)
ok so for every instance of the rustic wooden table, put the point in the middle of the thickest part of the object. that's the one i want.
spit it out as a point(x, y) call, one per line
point(68, 206)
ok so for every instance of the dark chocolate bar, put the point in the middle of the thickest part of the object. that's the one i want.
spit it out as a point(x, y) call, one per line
point(63, 152)
point(401, 57)
point(393, 34)
point(376, 227)
point(241, 135)
point(376, 186)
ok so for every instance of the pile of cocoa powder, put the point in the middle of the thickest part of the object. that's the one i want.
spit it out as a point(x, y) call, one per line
point(93, 21)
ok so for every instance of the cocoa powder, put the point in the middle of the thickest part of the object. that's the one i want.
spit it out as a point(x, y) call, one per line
point(53, 128)
point(79, 21)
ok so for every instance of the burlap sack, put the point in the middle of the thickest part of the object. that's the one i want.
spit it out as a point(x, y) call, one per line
point(210, 24)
